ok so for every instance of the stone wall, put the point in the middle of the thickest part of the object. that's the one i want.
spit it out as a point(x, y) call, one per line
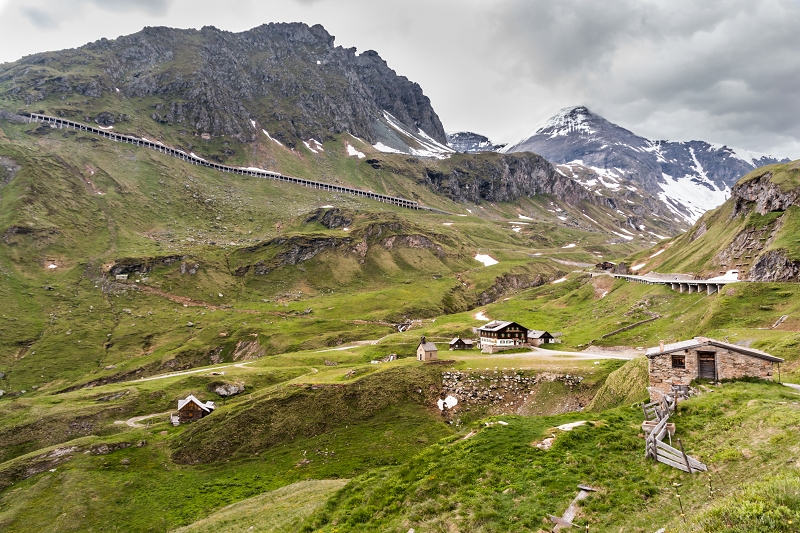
point(729, 365)
point(508, 391)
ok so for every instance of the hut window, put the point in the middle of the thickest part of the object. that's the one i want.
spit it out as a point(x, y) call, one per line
point(678, 361)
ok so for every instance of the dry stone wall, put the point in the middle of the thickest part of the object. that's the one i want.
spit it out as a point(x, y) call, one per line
point(505, 392)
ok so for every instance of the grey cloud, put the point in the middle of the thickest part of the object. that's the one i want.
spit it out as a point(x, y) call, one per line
point(731, 63)
point(40, 18)
point(151, 7)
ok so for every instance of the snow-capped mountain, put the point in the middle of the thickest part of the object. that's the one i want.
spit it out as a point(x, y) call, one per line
point(689, 177)
point(470, 143)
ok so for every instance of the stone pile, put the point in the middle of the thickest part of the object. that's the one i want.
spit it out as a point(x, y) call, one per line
point(507, 390)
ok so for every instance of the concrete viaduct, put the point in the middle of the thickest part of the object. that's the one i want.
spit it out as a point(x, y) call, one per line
point(195, 160)
point(679, 284)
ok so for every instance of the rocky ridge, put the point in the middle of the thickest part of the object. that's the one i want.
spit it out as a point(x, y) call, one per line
point(288, 79)
point(470, 143)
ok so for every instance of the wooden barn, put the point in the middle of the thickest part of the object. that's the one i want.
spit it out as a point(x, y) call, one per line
point(537, 337)
point(461, 344)
point(191, 409)
point(427, 351)
point(681, 362)
point(502, 335)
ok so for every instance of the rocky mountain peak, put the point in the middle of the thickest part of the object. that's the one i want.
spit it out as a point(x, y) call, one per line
point(288, 79)
point(688, 177)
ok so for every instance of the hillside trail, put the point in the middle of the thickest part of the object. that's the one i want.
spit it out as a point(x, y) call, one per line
point(186, 372)
point(134, 422)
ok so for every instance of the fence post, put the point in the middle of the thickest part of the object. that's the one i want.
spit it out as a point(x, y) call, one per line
point(685, 458)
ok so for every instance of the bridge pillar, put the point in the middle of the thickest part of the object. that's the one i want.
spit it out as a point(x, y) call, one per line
point(711, 288)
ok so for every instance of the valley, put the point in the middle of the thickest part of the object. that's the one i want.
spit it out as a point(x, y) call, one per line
point(281, 244)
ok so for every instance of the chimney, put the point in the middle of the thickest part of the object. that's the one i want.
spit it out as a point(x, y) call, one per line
point(662, 346)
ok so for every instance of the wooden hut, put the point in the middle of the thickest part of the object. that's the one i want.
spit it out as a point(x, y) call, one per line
point(191, 409)
point(461, 344)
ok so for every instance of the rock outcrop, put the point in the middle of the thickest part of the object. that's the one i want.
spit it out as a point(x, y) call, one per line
point(758, 192)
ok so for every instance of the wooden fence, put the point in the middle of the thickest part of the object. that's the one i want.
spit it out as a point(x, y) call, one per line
point(655, 447)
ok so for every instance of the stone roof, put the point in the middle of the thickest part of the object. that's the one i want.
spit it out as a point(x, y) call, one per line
point(208, 406)
point(699, 342)
point(429, 347)
point(536, 334)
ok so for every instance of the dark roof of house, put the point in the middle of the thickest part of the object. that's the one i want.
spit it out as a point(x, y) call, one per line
point(699, 342)
point(537, 334)
point(465, 341)
point(429, 347)
point(497, 325)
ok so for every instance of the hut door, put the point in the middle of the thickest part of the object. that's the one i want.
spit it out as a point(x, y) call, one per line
point(707, 365)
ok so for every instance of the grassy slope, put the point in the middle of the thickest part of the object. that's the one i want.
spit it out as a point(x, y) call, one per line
point(278, 511)
point(83, 204)
point(498, 481)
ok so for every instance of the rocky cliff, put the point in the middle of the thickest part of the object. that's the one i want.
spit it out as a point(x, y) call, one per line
point(287, 78)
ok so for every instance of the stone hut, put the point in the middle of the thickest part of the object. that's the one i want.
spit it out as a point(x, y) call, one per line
point(681, 362)
point(461, 344)
point(427, 351)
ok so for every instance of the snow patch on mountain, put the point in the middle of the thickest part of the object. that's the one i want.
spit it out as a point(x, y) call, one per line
point(416, 143)
point(694, 196)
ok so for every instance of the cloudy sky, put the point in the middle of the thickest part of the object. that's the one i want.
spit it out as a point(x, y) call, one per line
point(724, 71)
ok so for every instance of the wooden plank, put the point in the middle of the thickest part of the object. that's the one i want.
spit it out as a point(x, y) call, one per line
point(677, 453)
point(675, 464)
point(559, 521)
point(696, 466)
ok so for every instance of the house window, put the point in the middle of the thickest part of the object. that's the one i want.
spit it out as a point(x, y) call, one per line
point(678, 361)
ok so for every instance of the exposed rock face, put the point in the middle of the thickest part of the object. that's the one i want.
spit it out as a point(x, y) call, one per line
point(507, 283)
point(762, 195)
point(228, 389)
point(470, 143)
point(412, 241)
point(144, 265)
point(499, 178)
point(330, 218)
point(774, 265)
point(289, 78)
point(298, 249)
point(248, 350)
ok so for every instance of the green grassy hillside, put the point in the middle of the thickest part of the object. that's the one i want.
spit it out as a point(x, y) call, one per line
point(499, 480)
